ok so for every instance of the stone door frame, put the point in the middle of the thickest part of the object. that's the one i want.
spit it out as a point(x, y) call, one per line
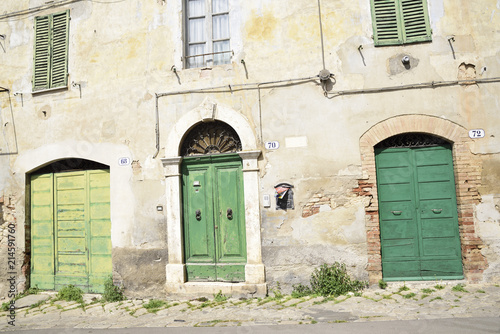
point(176, 283)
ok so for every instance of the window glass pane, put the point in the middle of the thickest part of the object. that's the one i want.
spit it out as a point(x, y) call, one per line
point(220, 29)
point(196, 49)
point(196, 30)
point(219, 6)
point(196, 8)
point(222, 58)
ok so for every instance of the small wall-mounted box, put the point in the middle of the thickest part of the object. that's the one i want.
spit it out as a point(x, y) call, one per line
point(266, 201)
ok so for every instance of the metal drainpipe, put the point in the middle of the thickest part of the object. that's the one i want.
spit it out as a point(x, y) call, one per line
point(321, 34)
point(157, 128)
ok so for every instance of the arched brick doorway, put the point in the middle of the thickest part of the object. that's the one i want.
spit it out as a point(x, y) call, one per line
point(467, 171)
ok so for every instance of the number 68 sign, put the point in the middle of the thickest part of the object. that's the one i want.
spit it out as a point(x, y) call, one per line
point(477, 133)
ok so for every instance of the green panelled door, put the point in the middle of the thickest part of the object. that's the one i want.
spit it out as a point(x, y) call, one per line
point(71, 230)
point(418, 214)
point(214, 218)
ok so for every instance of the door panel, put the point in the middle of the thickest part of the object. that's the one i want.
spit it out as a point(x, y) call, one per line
point(231, 242)
point(198, 211)
point(42, 231)
point(215, 247)
point(418, 216)
point(71, 230)
point(100, 264)
point(394, 269)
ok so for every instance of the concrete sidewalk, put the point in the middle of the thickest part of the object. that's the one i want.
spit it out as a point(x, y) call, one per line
point(409, 301)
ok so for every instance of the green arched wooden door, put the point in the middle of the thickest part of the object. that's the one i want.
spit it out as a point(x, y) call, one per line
point(214, 218)
point(418, 210)
point(213, 204)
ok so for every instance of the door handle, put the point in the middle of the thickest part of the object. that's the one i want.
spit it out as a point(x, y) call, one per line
point(229, 213)
point(436, 210)
point(198, 214)
point(397, 213)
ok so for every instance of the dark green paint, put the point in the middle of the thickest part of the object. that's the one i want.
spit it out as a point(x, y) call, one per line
point(418, 214)
point(214, 239)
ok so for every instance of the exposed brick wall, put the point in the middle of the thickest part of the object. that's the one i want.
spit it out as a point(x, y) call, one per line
point(313, 206)
point(467, 168)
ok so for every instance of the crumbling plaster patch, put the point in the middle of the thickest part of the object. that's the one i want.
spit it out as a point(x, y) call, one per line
point(488, 228)
point(336, 225)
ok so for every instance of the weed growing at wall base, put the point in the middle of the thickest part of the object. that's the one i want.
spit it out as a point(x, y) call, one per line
point(112, 293)
point(330, 280)
point(70, 293)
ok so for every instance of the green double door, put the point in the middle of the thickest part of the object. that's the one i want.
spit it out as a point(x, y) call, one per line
point(418, 214)
point(70, 230)
point(214, 218)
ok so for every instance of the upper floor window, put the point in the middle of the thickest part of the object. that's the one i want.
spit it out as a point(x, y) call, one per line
point(400, 21)
point(51, 51)
point(207, 33)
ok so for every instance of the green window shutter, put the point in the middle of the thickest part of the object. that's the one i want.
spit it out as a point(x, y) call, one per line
point(416, 27)
point(400, 21)
point(51, 51)
point(386, 22)
point(59, 68)
point(42, 53)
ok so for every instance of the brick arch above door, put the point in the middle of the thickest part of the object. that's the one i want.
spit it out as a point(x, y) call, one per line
point(467, 168)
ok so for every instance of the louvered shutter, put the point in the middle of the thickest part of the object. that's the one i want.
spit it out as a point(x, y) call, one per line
point(42, 53)
point(59, 64)
point(51, 51)
point(415, 19)
point(400, 21)
point(386, 23)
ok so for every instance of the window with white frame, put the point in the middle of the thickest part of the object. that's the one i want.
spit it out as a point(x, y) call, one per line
point(207, 33)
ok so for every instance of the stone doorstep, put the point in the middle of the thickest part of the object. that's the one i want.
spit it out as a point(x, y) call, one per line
point(30, 300)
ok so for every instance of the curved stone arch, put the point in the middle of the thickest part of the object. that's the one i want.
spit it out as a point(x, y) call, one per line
point(209, 111)
point(121, 194)
point(467, 168)
point(176, 284)
point(47, 154)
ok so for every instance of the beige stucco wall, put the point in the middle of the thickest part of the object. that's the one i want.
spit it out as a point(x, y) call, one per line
point(121, 55)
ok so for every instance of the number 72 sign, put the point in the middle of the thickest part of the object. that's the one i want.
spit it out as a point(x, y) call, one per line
point(477, 133)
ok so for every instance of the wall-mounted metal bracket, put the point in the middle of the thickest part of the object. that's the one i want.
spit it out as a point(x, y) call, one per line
point(452, 39)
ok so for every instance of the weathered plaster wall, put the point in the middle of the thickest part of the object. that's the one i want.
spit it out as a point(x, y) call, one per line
point(122, 53)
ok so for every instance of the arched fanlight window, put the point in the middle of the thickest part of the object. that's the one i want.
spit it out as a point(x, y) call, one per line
point(70, 165)
point(211, 138)
point(411, 139)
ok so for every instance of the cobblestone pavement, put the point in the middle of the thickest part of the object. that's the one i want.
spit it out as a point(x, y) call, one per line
point(408, 301)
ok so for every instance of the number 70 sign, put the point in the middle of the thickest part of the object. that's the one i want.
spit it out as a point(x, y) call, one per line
point(477, 133)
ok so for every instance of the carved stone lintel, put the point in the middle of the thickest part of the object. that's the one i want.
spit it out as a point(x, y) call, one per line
point(208, 110)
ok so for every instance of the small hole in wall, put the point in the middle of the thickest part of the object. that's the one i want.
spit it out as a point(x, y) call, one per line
point(44, 113)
